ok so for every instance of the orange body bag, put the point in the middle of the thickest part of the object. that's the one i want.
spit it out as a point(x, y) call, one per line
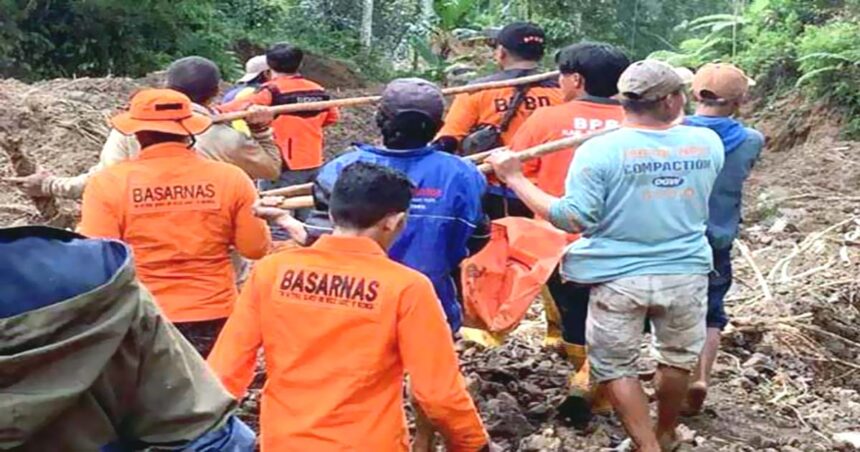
point(501, 281)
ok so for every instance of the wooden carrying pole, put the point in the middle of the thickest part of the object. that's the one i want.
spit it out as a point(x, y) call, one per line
point(353, 101)
point(303, 202)
point(307, 189)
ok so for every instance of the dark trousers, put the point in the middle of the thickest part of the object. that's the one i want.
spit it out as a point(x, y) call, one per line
point(498, 206)
point(201, 335)
point(571, 299)
point(719, 283)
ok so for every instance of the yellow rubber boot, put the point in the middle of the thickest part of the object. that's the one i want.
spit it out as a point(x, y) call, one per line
point(576, 355)
point(600, 402)
point(483, 338)
point(584, 398)
point(552, 339)
point(576, 407)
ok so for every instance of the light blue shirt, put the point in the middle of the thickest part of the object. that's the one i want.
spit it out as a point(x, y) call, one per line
point(640, 199)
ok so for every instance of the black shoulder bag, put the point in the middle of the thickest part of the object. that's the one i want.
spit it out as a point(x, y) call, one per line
point(484, 137)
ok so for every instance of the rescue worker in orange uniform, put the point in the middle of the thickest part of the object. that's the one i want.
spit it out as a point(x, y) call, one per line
point(251, 149)
point(298, 135)
point(340, 324)
point(180, 213)
point(518, 51)
point(589, 74)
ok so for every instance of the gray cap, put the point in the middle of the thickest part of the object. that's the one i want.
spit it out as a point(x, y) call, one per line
point(194, 76)
point(649, 80)
point(412, 95)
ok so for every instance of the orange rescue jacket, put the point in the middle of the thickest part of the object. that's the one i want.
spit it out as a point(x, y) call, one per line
point(298, 135)
point(181, 214)
point(572, 119)
point(489, 106)
point(340, 323)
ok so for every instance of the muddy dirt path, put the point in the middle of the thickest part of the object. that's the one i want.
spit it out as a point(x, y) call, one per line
point(788, 375)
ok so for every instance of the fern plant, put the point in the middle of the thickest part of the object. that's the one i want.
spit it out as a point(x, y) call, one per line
point(720, 40)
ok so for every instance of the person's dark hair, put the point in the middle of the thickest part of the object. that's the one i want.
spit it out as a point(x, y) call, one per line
point(366, 192)
point(643, 107)
point(261, 78)
point(525, 55)
point(599, 63)
point(196, 77)
point(407, 130)
point(284, 58)
point(710, 99)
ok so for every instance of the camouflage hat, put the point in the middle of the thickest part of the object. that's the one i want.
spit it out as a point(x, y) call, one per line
point(649, 80)
point(412, 95)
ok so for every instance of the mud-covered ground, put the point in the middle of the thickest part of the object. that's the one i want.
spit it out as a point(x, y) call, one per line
point(788, 375)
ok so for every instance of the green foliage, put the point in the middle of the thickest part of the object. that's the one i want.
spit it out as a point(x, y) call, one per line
point(829, 61)
point(95, 37)
point(721, 38)
point(808, 41)
point(452, 14)
point(807, 44)
point(45, 38)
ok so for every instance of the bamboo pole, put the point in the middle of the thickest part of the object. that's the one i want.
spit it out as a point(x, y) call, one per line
point(303, 202)
point(307, 189)
point(354, 101)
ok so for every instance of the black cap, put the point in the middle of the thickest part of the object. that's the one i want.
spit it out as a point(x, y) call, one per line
point(523, 39)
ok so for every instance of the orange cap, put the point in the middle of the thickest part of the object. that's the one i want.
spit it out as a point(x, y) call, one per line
point(161, 110)
point(721, 81)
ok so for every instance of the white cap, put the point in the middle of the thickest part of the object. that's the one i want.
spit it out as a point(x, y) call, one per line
point(254, 67)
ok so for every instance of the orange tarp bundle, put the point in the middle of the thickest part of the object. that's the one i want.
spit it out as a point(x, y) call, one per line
point(501, 281)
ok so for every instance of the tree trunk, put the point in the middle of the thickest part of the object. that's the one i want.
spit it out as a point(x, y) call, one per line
point(427, 12)
point(367, 24)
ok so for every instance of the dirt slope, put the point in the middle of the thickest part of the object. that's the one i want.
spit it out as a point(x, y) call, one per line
point(788, 377)
point(62, 125)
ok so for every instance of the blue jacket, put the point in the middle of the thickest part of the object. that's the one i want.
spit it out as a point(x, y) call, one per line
point(743, 147)
point(445, 212)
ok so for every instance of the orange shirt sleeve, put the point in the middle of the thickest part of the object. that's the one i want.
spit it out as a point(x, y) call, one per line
point(261, 97)
point(250, 234)
point(234, 356)
point(332, 117)
point(437, 384)
point(461, 118)
point(100, 216)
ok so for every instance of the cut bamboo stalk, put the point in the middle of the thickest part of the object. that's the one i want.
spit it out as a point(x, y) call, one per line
point(355, 101)
point(303, 202)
